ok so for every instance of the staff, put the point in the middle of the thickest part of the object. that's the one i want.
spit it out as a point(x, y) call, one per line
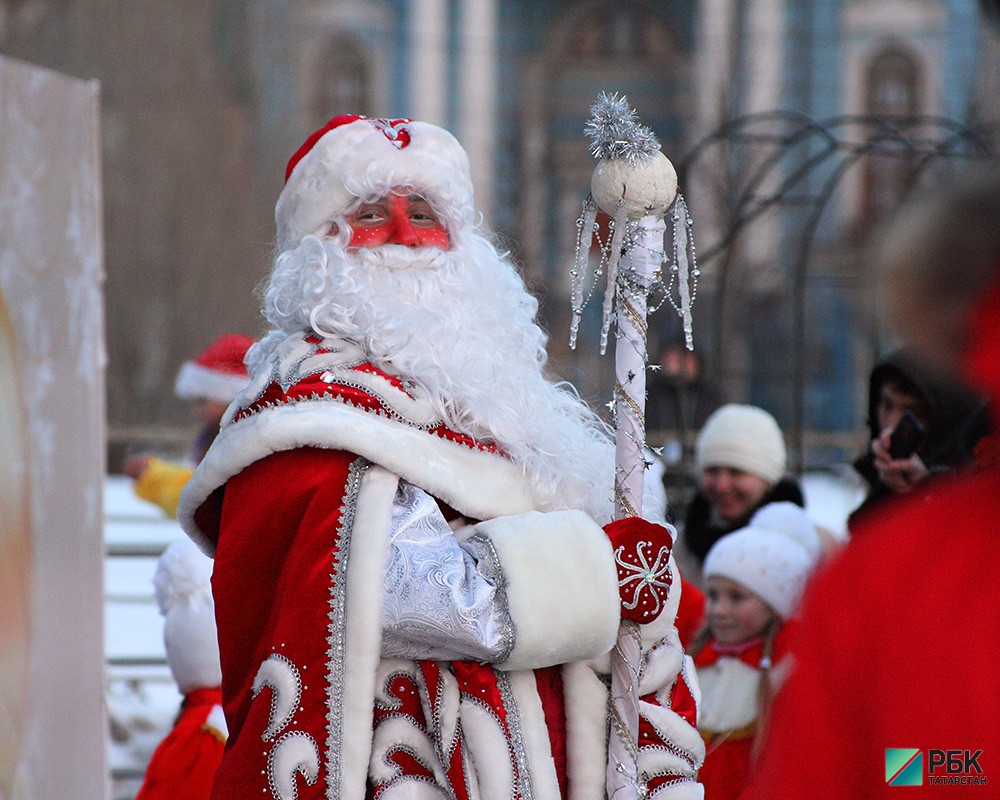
point(635, 184)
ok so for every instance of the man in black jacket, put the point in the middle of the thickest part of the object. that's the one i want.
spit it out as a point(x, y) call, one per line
point(952, 418)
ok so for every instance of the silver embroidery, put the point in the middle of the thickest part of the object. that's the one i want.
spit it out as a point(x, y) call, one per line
point(283, 677)
point(336, 629)
point(389, 702)
point(441, 600)
point(294, 752)
point(412, 753)
point(296, 359)
point(523, 788)
point(482, 547)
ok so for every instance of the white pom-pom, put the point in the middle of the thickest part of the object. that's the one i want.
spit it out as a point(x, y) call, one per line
point(647, 187)
point(183, 576)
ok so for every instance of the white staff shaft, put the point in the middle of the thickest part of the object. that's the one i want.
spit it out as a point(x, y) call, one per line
point(639, 266)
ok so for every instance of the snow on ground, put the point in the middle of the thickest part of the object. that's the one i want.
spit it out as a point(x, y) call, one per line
point(831, 496)
point(142, 699)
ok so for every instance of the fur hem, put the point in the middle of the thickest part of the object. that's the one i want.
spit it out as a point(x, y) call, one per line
point(483, 734)
point(535, 735)
point(362, 634)
point(586, 732)
point(562, 586)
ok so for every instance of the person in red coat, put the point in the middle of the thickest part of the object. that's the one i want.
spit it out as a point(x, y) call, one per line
point(185, 762)
point(416, 585)
point(900, 645)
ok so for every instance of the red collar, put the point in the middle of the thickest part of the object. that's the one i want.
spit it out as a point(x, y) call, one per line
point(750, 652)
point(313, 387)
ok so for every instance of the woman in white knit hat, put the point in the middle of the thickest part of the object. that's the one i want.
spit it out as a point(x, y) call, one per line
point(741, 459)
point(754, 580)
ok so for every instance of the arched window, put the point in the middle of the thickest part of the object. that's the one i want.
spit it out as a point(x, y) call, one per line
point(893, 84)
point(892, 91)
point(344, 79)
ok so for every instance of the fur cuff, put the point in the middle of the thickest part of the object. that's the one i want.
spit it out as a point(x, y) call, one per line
point(562, 586)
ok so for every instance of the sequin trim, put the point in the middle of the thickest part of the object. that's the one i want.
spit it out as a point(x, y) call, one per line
point(494, 572)
point(336, 630)
point(395, 704)
point(401, 776)
point(283, 677)
point(522, 789)
point(305, 762)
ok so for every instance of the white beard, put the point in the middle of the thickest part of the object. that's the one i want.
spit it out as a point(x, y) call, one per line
point(462, 325)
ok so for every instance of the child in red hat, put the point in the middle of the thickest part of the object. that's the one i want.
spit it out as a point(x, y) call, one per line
point(210, 382)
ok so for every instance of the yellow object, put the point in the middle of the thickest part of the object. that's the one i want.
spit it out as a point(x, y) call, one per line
point(161, 483)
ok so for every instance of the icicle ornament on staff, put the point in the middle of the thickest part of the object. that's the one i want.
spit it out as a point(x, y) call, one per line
point(635, 184)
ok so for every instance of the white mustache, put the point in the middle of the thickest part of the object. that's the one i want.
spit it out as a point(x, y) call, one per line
point(397, 256)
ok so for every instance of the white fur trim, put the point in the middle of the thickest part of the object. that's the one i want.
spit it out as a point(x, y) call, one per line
point(474, 482)
point(586, 731)
point(413, 790)
point(674, 729)
point(215, 722)
point(663, 663)
point(195, 382)
point(535, 735)
point(562, 586)
point(392, 733)
point(363, 625)
point(730, 695)
point(483, 734)
point(690, 676)
point(294, 753)
point(349, 160)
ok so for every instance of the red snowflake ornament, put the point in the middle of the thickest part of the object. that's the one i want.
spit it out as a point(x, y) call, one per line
point(642, 556)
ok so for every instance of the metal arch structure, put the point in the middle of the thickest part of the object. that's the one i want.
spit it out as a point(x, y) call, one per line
point(792, 162)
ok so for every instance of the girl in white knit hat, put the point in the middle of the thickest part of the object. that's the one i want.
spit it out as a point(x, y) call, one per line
point(754, 579)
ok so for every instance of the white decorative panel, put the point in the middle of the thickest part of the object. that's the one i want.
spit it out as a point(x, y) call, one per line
point(50, 288)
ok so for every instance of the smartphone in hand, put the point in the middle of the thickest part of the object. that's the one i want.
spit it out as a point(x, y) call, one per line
point(907, 436)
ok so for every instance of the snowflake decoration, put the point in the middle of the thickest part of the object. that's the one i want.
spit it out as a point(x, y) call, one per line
point(649, 579)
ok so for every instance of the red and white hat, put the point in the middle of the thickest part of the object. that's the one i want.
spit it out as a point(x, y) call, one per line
point(354, 157)
point(218, 373)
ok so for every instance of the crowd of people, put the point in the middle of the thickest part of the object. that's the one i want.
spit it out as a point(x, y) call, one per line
point(416, 575)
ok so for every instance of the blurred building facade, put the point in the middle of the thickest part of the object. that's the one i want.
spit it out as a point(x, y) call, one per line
point(204, 101)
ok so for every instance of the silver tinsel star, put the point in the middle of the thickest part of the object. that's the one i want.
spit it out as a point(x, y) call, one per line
point(616, 133)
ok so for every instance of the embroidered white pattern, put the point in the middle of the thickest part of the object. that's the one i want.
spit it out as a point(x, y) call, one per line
point(442, 600)
point(647, 576)
point(294, 752)
point(283, 678)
